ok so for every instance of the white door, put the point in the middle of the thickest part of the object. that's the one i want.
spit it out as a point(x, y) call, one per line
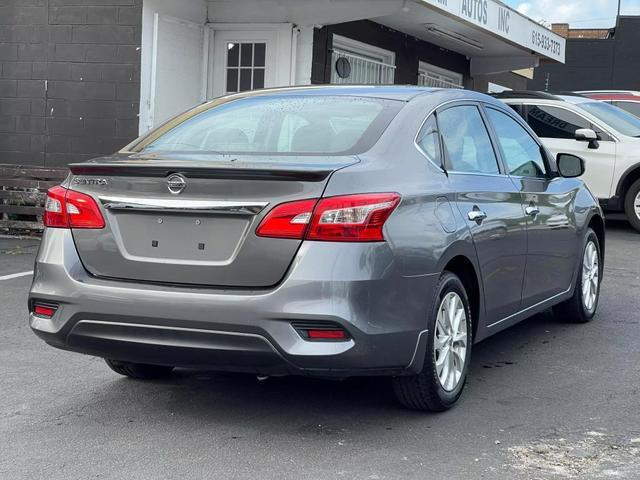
point(249, 57)
point(178, 68)
point(556, 128)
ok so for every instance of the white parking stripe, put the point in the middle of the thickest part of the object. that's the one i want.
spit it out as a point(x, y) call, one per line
point(15, 275)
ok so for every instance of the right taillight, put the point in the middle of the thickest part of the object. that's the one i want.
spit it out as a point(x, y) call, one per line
point(347, 218)
point(70, 209)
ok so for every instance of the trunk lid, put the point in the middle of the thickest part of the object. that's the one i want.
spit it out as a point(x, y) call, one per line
point(191, 219)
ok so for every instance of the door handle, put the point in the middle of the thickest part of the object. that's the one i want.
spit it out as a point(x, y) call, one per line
point(532, 210)
point(476, 215)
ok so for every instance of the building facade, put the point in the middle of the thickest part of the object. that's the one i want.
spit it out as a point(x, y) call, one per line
point(81, 78)
point(596, 59)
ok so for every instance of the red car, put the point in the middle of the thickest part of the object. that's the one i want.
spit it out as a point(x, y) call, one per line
point(626, 99)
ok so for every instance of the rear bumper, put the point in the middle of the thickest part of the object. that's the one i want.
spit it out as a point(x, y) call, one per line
point(242, 330)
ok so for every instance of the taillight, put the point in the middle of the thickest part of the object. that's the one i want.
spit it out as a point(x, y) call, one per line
point(70, 209)
point(352, 218)
point(287, 220)
point(348, 218)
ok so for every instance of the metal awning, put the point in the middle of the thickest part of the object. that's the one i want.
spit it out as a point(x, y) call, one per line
point(494, 36)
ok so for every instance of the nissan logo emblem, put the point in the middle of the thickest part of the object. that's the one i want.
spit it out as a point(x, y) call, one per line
point(176, 184)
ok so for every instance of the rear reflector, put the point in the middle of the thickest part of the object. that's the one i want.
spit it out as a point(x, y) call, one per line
point(46, 311)
point(70, 209)
point(320, 331)
point(348, 218)
point(326, 334)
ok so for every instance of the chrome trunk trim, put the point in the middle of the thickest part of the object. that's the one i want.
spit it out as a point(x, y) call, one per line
point(179, 205)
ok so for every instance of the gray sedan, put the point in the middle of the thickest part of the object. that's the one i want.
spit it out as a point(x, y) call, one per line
point(327, 231)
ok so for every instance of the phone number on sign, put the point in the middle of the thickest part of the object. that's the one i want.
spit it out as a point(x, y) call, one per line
point(545, 42)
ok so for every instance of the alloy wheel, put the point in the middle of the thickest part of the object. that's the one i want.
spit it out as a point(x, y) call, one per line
point(636, 205)
point(590, 276)
point(450, 341)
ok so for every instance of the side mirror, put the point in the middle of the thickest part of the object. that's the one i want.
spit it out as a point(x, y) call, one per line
point(570, 166)
point(587, 135)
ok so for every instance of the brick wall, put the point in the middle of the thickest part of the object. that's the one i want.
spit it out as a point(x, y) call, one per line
point(69, 79)
point(593, 33)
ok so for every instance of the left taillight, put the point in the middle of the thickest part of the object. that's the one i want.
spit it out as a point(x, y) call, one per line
point(346, 218)
point(66, 208)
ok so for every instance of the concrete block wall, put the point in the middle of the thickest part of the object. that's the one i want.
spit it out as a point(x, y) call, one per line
point(69, 79)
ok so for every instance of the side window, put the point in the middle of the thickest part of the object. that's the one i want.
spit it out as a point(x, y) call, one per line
point(521, 153)
point(631, 107)
point(517, 108)
point(429, 141)
point(554, 122)
point(466, 141)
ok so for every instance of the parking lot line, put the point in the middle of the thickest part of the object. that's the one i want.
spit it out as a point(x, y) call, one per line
point(16, 275)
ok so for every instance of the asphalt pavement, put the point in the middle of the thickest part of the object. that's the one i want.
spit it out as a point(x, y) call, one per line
point(544, 400)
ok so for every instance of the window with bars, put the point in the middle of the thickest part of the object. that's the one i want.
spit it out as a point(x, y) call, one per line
point(354, 62)
point(436, 77)
point(245, 66)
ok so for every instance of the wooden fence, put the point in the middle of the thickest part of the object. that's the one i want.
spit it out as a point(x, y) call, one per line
point(23, 191)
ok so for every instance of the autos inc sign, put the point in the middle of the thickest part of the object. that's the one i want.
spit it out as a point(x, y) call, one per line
point(498, 19)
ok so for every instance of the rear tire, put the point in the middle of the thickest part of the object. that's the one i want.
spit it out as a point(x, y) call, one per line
point(632, 205)
point(439, 385)
point(139, 371)
point(577, 309)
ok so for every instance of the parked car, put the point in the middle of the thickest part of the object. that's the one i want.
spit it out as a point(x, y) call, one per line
point(625, 99)
point(329, 231)
point(607, 137)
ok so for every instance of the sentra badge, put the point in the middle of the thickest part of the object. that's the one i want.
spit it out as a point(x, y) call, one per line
point(90, 181)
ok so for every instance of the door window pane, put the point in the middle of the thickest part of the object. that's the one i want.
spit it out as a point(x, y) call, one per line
point(521, 153)
point(233, 59)
point(259, 54)
point(466, 141)
point(245, 66)
point(258, 78)
point(429, 141)
point(553, 122)
point(246, 55)
point(245, 79)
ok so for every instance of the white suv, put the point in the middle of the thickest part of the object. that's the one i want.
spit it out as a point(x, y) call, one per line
point(607, 137)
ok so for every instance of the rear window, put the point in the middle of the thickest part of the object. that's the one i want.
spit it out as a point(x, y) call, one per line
point(282, 125)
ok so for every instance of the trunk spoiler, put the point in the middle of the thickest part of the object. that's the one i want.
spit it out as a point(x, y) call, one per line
point(227, 169)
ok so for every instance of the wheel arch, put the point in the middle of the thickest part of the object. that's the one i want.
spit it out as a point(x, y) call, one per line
point(628, 178)
point(596, 223)
point(466, 271)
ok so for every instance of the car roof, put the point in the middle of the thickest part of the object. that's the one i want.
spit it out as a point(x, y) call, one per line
point(387, 92)
point(611, 95)
point(568, 97)
point(403, 93)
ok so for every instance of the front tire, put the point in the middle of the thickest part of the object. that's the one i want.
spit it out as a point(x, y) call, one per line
point(632, 205)
point(138, 371)
point(582, 306)
point(439, 385)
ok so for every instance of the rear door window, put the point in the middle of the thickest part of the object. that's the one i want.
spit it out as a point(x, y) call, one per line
point(553, 122)
point(429, 141)
point(466, 141)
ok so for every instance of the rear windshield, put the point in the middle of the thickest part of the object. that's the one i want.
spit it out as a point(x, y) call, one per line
point(282, 125)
